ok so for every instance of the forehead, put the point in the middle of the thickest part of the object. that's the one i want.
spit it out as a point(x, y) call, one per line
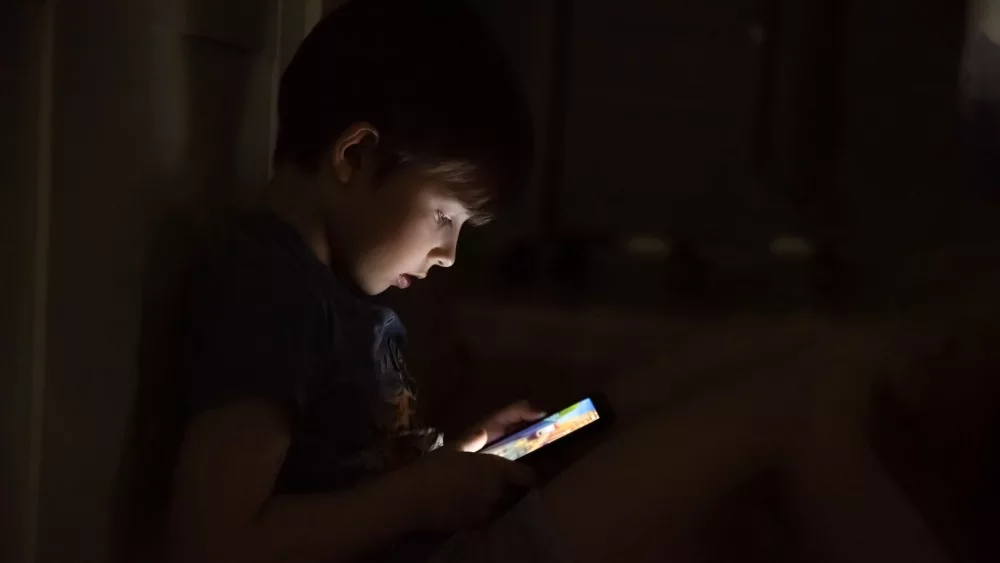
point(420, 188)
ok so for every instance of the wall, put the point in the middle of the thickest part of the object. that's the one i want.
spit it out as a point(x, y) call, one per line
point(101, 171)
point(731, 123)
point(908, 213)
point(22, 50)
point(662, 98)
point(157, 109)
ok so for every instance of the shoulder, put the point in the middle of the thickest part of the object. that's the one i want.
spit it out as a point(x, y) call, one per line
point(251, 270)
point(257, 320)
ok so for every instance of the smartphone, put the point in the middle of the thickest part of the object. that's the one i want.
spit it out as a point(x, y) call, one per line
point(588, 414)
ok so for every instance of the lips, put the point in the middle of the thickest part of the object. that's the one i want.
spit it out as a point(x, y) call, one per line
point(406, 280)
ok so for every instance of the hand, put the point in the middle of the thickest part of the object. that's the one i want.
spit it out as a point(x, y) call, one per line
point(497, 425)
point(455, 490)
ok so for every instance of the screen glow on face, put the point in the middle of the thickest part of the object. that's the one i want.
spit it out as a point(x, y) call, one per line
point(545, 431)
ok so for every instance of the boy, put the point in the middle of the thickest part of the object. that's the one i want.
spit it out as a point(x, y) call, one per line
point(398, 126)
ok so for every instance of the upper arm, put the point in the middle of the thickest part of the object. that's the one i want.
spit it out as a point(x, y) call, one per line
point(256, 332)
point(255, 344)
point(225, 472)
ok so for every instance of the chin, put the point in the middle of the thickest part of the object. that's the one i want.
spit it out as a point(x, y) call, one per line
point(369, 288)
point(376, 288)
point(373, 291)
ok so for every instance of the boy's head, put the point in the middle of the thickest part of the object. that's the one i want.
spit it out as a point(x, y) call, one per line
point(404, 118)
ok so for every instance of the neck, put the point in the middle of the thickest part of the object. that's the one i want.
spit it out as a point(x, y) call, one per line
point(290, 194)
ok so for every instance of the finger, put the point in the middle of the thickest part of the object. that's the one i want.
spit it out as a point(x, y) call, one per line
point(510, 418)
point(528, 411)
point(474, 441)
point(521, 411)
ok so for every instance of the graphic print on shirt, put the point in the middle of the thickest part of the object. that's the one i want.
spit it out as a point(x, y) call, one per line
point(404, 397)
point(398, 421)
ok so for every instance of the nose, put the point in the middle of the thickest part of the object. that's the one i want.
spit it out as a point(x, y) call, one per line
point(444, 255)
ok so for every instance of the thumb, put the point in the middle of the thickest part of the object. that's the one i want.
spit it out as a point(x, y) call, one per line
point(474, 441)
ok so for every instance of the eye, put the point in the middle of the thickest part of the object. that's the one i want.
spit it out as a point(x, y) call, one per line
point(443, 219)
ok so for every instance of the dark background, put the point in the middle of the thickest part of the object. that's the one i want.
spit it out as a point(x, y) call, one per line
point(709, 174)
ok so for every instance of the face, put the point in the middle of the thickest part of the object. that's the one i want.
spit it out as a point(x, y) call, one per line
point(391, 234)
point(401, 230)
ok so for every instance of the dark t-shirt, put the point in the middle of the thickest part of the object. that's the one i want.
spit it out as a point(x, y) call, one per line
point(269, 320)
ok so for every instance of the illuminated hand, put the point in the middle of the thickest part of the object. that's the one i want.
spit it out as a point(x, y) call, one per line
point(497, 425)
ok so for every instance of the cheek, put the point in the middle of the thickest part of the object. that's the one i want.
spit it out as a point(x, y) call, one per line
point(403, 247)
point(417, 240)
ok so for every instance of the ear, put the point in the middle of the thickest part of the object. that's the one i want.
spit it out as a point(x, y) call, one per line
point(352, 149)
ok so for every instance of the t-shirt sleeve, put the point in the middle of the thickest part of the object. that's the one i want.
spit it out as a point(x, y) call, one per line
point(254, 333)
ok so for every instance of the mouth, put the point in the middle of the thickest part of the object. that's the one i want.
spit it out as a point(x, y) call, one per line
point(406, 280)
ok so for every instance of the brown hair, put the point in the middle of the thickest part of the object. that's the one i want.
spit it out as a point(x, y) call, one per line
point(430, 77)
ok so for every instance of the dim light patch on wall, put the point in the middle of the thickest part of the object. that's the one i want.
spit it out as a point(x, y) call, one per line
point(649, 246)
point(793, 247)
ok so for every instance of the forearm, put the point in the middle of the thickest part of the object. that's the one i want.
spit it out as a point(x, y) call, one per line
point(316, 527)
point(337, 526)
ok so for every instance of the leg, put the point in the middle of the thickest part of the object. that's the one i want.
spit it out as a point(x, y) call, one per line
point(855, 512)
point(656, 482)
point(719, 352)
point(851, 507)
